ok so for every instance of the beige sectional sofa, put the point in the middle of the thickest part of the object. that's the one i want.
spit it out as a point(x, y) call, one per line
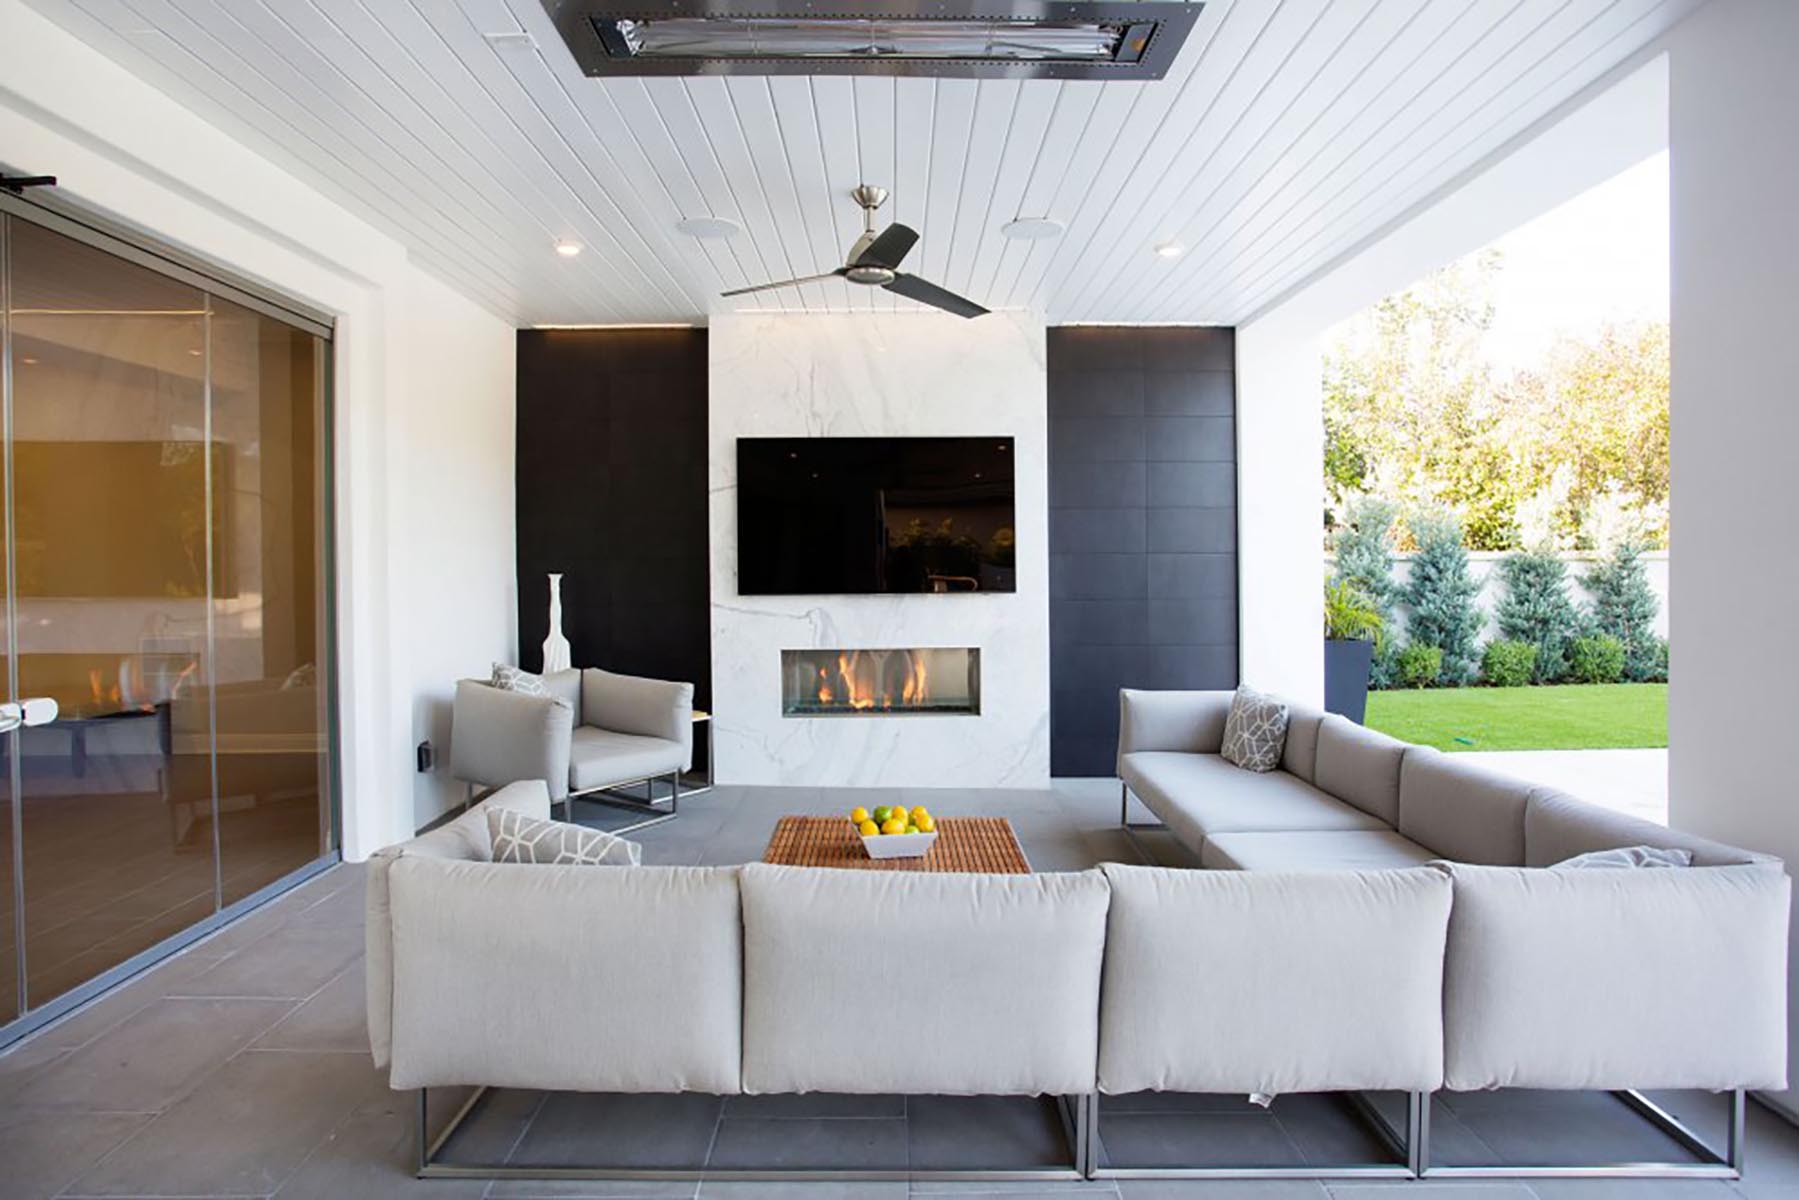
point(1346, 958)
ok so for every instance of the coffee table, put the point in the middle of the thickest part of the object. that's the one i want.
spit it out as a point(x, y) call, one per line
point(985, 845)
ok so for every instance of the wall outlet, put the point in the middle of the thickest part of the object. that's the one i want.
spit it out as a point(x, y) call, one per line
point(427, 756)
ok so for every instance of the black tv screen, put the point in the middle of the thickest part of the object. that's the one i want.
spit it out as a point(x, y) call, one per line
point(869, 515)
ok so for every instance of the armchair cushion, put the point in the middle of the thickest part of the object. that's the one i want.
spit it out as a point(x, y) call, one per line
point(600, 758)
point(499, 737)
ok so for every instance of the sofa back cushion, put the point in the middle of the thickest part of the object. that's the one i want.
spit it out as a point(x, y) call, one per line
point(1462, 811)
point(566, 977)
point(1359, 766)
point(1229, 981)
point(1186, 722)
point(1558, 827)
point(1616, 979)
point(890, 981)
point(465, 839)
point(1300, 756)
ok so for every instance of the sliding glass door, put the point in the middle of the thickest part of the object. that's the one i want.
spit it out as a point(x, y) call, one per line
point(165, 551)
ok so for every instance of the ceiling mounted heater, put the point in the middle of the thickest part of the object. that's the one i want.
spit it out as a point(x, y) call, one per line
point(970, 39)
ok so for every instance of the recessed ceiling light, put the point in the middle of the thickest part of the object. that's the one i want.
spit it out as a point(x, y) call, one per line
point(195, 353)
point(568, 249)
point(708, 227)
point(1170, 250)
point(28, 360)
point(1031, 229)
point(511, 39)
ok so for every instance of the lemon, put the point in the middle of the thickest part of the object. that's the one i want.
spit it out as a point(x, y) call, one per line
point(882, 814)
point(927, 824)
point(919, 810)
point(893, 826)
point(858, 815)
point(900, 814)
point(867, 828)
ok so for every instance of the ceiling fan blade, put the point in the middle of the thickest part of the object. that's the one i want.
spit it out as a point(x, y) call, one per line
point(764, 287)
point(888, 250)
point(914, 288)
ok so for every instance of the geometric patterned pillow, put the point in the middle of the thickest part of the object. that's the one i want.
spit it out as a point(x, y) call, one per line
point(512, 679)
point(1255, 733)
point(520, 839)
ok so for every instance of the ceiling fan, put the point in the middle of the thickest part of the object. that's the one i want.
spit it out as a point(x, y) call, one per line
point(874, 262)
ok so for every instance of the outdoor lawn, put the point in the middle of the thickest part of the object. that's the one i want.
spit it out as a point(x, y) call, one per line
point(1570, 717)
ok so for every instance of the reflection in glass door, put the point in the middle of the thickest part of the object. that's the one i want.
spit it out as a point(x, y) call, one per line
point(165, 550)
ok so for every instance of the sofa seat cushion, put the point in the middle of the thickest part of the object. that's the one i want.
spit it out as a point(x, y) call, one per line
point(1197, 795)
point(600, 758)
point(1313, 850)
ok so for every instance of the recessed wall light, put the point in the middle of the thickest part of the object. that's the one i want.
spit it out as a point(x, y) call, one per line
point(1031, 229)
point(28, 360)
point(708, 227)
point(568, 249)
point(1170, 250)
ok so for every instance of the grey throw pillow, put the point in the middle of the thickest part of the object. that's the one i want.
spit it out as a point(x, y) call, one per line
point(1255, 732)
point(1627, 856)
point(515, 679)
point(520, 839)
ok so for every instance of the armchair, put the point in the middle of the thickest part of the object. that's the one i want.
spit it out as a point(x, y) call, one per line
point(594, 732)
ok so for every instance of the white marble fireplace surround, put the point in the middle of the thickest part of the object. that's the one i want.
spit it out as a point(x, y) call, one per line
point(881, 375)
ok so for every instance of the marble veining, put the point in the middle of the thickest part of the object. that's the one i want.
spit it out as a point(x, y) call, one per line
point(881, 375)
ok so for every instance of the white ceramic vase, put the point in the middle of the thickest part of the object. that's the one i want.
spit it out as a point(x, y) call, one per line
point(555, 647)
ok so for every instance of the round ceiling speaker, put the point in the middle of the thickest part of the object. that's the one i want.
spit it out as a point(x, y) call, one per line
point(708, 227)
point(1032, 229)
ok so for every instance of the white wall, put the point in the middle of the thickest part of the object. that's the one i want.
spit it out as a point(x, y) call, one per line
point(122, 147)
point(1280, 424)
point(1734, 176)
point(459, 506)
point(881, 375)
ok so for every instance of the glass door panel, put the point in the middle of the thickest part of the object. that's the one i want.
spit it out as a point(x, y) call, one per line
point(113, 510)
point(268, 617)
point(12, 1000)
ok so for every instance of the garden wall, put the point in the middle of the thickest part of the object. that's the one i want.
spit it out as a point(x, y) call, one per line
point(1484, 566)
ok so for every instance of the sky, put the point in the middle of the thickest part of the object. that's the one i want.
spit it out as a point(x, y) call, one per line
point(1602, 256)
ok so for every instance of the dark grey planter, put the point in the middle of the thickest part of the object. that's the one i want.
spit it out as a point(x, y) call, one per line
point(1346, 667)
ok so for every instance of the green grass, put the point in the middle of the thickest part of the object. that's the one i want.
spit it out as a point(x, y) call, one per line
point(1572, 717)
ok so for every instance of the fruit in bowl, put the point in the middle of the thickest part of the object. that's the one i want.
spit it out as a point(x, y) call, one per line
point(895, 831)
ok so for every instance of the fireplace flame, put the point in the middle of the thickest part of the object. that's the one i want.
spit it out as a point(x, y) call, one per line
point(868, 680)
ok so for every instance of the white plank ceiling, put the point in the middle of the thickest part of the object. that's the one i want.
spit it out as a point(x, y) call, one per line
point(1287, 132)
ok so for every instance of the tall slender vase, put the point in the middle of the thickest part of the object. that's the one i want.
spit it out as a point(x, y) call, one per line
point(555, 647)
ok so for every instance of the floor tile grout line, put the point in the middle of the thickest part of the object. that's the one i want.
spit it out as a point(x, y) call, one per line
point(206, 1075)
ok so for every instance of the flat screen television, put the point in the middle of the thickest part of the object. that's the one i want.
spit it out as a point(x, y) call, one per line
point(833, 516)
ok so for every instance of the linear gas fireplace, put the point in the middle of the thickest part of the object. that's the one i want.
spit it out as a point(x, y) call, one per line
point(937, 680)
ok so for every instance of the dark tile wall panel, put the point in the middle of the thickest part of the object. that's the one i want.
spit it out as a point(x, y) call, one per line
point(1142, 525)
point(612, 493)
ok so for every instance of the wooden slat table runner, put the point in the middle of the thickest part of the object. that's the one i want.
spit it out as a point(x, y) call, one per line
point(982, 844)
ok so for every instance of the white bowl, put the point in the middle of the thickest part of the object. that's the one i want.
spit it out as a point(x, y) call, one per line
point(899, 845)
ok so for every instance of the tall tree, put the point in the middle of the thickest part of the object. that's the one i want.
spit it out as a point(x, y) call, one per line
point(1536, 609)
point(1625, 606)
point(1439, 596)
point(1364, 548)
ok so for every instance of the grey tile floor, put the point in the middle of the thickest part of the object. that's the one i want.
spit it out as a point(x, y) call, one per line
point(240, 1068)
